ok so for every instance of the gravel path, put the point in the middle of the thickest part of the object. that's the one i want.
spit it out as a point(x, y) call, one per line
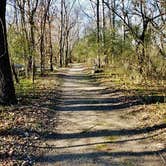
point(92, 130)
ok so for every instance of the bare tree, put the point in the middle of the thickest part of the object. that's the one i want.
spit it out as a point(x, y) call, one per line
point(61, 42)
point(44, 7)
point(50, 20)
point(66, 26)
point(145, 18)
point(32, 8)
point(98, 31)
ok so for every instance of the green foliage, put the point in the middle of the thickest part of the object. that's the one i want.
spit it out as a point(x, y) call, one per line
point(24, 87)
point(123, 53)
point(18, 45)
point(114, 48)
point(86, 48)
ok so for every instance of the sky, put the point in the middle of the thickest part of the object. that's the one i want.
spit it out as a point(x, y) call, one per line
point(83, 5)
point(86, 14)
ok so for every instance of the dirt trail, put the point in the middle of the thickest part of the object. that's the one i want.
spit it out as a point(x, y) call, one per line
point(92, 129)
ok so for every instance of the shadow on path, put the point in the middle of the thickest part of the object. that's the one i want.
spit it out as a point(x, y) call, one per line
point(63, 157)
point(81, 95)
point(98, 133)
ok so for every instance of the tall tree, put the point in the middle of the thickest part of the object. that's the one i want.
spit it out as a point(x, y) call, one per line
point(50, 20)
point(98, 30)
point(45, 6)
point(24, 30)
point(32, 8)
point(104, 27)
point(7, 91)
point(61, 42)
point(147, 15)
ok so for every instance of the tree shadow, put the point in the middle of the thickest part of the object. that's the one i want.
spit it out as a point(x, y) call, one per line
point(88, 134)
point(73, 102)
point(54, 147)
point(103, 133)
point(78, 77)
point(97, 155)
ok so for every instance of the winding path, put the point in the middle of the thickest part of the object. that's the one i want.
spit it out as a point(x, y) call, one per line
point(92, 130)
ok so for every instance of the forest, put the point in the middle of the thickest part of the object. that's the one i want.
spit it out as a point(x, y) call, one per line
point(83, 82)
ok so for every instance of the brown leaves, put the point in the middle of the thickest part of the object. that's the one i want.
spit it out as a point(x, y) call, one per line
point(22, 126)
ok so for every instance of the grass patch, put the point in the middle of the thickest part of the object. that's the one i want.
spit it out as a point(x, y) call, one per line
point(105, 147)
point(112, 138)
point(149, 90)
point(149, 94)
point(129, 163)
point(101, 147)
point(24, 87)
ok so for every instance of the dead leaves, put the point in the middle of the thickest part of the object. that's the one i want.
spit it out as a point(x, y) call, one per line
point(22, 127)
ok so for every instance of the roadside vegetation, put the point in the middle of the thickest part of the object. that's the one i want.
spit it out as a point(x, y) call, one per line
point(122, 43)
point(23, 126)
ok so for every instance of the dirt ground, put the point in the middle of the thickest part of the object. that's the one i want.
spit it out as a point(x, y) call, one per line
point(95, 127)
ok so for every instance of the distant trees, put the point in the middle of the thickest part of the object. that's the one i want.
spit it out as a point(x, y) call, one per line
point(34, 24)
point(131, 34)
point(141, 19)
point(7, 92)
point(44, 11)
point(46, 32)
point(26, 12)
point(67, 24)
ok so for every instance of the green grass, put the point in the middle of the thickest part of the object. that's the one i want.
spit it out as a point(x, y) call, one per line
point(112, 138)
point(151, 92)
point(25, 86)
point(134, 82)
point(101, 147)
point(129, 163)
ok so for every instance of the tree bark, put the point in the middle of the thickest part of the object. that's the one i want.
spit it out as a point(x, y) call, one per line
point(61, 34)
point(44, 13)
point(50, 44)
point(7, 91)
point(98, 31)
point(32, 11)
point(15, 73)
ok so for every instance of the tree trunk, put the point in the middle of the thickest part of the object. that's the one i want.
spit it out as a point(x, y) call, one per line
point(61, 34)
point(98, 31)
point(113, 14)
point(32, 11)
point(42, 55)
point(32, 48)
point(124, 26)
point(7, 91)
point(104, 34)
point(15, 74)
point(67, 49)
point(45, 9)
point(50, 44)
